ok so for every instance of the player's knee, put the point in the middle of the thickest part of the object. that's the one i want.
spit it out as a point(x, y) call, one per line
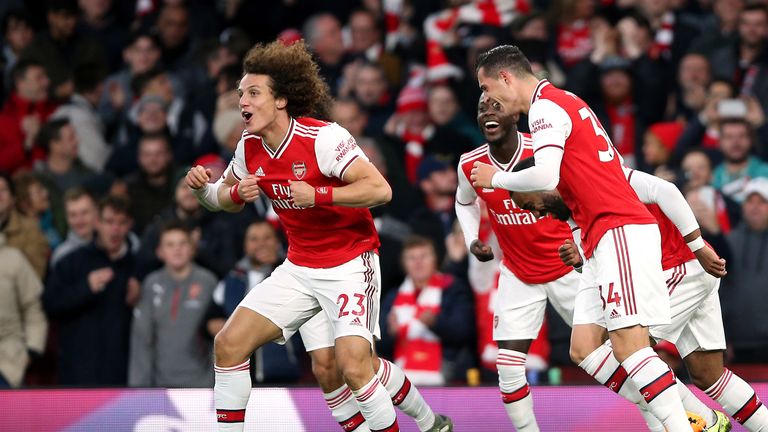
point(227, 350)
point(324, 369)
point(578, 353)
point(704, 378)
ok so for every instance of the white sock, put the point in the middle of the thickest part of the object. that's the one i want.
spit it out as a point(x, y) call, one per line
point(654, 379)
point(692, 404)
point(740, 401)
point(376, 406)
point(405, 396)
point(231, 393)
point(603, 367)
point(515, 392)
point(345, 410)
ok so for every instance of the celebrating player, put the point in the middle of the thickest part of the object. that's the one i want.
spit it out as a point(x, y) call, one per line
point(531, 269)
point(692, 272)
point(321, 185)
point(620, 238)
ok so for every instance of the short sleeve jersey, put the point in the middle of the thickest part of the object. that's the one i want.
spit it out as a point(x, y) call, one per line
point(592, 181)
point(318, 153)
point(529, 245)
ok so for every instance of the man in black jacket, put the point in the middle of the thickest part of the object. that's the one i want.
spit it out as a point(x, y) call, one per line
point(87, 294)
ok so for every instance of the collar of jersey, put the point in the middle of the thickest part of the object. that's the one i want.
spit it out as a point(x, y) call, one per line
point(275, 154)
point(515, 157)
point(537, 91)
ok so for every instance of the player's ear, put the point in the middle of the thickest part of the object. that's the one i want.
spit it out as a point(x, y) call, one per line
point(281, 103)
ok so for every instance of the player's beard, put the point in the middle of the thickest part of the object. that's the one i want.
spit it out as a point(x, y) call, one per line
point(556, 207)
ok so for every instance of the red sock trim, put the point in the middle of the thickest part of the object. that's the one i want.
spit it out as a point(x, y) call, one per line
point(516, 395)
point(230, 416)
point(353, 422)
point(617, 379)
point(657, 386)
point(402, 393)
point(749, 408)
point(391, 428)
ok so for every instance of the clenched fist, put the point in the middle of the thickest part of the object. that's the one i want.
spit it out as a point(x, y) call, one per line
point(569, 254)
point(197, 177)
point(249, 188)
point(482, 174)
point(481, 251)
point(302, 193)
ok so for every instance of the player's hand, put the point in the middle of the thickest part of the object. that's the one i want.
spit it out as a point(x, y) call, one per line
point(249, 188)
point(98, 279)
point(712, 263)
point(481, 251)
point(482, 174)
point(303, 194)
point(197, 177)
point(569, 254)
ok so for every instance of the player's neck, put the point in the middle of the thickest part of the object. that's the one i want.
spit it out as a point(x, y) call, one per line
point(274, 134)
point(527, 89)
point(504, 151)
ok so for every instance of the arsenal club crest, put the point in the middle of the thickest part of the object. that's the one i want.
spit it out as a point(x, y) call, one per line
point(299, 169)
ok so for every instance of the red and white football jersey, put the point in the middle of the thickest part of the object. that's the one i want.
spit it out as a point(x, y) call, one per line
point(674, 250)
point(318, 153)
point(592, 181)
point(529, 245)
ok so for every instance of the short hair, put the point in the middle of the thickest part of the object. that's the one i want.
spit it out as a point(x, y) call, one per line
point(116, 203)
point(140, 34)
point(88, 76)
point(68, 6)
point(754, 7)
point(157, 136)
point(507, 57)
point(310, 26)
point(15, 15)
point(8, 181)
point(22, 181)
point(294, 75)
point(141, 81)
point(175, 225)
point(739, 121)
point(51, 131)
point(76, 193)
point(524, 164)
point(22, 66)
point(415, 240)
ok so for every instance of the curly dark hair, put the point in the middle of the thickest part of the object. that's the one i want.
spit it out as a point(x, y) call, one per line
point(294, 75)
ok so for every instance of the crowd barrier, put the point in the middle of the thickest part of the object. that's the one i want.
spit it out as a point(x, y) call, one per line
point(564, 408)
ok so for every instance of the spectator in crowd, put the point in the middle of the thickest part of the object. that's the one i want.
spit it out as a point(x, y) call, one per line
point(722, 30)
point(214, 233)
point(369, 87)
point(169, 343)
point(739, 166)
point(17, 34)
point(430, 317)
point(151, 119)
point(323, 35)
point(744, 317)
point(62, 167)
point(24, 326)
point(94, 149)
point(438, 182)
point(693, 79)
point(410, 126)
point(671, 36)
point(61, 48)
point(715, 213)
point(140, 54)
point(744, 62)
point(86, 294)
point(33, 201)
point(367, 42)
point(99, 21)
point(82, 215)
point(570, 20)
point(22, 115)
point(154, 183)
point(172, 28)
point(454, 133)
point(20, 231)
point(658, 145)
point(271, 363)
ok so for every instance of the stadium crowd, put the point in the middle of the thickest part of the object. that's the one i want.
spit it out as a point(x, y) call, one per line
point(112, 274)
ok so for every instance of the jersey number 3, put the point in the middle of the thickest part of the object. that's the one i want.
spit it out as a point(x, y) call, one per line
point(605, 155)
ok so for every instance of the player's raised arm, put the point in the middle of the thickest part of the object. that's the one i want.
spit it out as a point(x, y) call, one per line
point(229, 193)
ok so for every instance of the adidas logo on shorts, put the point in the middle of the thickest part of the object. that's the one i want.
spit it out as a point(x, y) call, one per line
point(356, 322)
point(614, 314)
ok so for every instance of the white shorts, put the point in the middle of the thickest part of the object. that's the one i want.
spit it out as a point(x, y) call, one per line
point(623, 283)
point(348, 296)
point(317, 333)
point(697, 323)
point(518, 310)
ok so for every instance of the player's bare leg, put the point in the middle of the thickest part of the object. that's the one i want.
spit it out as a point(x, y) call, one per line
point(734, 394)
point(513, 385)
point(337, 394)
point(244, 332)
point(354, 358)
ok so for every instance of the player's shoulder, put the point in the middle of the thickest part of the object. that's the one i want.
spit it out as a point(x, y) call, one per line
point(321, 131)
point(472, 156)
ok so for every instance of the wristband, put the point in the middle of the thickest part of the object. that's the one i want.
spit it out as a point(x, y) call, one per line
point(235, 195)
point(324, 196)
point(696, 244)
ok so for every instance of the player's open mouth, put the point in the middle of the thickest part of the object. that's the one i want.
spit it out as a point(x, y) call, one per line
point(491, 125)
point(246, 115)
